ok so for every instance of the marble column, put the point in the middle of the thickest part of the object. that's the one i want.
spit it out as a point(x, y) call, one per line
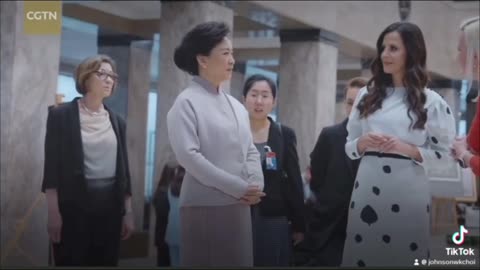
point(307, 85)
point(449, 91)
point(30, 66)
point(132, 57)
point(137, 95)
point(117, 46)
point(176, 20)
point(237, 81)
point(340, 113)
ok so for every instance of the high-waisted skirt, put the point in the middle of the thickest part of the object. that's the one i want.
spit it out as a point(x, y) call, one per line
point(216, 236)
point(389, 214)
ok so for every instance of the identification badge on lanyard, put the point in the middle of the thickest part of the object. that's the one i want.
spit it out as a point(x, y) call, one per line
point(270, 159)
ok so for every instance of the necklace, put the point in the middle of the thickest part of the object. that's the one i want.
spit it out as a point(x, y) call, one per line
point(88, 110)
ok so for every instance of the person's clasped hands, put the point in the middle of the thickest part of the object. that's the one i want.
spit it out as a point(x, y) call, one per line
point(253, 195)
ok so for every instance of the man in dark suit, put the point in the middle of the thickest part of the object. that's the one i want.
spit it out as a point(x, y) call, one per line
point(332, 178)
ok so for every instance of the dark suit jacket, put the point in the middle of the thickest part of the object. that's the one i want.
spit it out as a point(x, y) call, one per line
point(283, 187)
point(162, 208)
point(64, 160)
point(333, 175)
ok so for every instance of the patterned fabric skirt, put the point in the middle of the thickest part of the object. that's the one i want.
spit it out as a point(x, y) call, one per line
point(388, 220)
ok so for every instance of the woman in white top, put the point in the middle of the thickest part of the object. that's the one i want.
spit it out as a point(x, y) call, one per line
point(209, 131)
point(400, 129)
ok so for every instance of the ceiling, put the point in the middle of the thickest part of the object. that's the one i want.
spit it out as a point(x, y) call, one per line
point(130, 16)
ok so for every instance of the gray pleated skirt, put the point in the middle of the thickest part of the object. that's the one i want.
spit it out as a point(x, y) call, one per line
point(216, 236)
point(388, 220)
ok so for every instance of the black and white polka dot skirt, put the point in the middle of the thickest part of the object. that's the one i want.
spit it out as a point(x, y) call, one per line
point(388, 219)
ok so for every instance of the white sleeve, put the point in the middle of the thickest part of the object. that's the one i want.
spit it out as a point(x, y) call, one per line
point(354, 128)
point(181, 125)
point(441, 132)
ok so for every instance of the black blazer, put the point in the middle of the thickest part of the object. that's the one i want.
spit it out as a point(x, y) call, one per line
point(333, 175)
point(64, 160)
point(283, 187)
point(162, 208)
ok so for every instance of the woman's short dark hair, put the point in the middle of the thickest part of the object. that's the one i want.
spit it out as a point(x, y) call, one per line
point(258, 78)
point(166, 177)
point(415, 79)
point(199, 41)
point(176, 184)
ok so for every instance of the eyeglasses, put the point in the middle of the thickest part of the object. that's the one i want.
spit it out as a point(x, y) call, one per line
point(104, 75)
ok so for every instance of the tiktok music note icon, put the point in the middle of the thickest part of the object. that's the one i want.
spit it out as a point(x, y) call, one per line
point(459, 237)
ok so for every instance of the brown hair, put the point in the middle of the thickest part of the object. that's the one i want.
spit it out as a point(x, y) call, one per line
point(87, 67)
point(415, 79)
point(357, 82)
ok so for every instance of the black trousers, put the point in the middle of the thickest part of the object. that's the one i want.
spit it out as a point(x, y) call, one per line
point(89, 239)
point(163, 254)
point(331, 253)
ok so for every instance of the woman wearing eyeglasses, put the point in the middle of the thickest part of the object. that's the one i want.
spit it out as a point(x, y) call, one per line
point(86, 175)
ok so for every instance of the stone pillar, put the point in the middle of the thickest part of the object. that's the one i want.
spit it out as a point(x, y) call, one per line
point(307, 85)
point(237, 81)
point(177, 19)
point(28, 85)
point(117, 46)
point(139, 87)
point(132, 57)
point(449, 91)
point(340, 104)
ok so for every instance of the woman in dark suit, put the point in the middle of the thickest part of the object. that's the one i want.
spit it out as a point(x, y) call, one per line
point(283, 202)
point(160, 203)
point(86, 175)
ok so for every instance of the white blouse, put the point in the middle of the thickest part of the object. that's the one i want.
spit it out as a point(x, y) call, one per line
point(99, 143)
point(433, 142)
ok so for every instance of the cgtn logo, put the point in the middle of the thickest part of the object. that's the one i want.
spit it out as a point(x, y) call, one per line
point(458, 238)
point(41, 15)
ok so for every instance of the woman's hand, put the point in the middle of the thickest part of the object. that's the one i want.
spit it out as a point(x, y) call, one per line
point(127, 225)
point(54, 225)
point(370, 140)
point(298, 237)
point(396, 145)
point(252, 195)
point(460, 151)
point(459, 147)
